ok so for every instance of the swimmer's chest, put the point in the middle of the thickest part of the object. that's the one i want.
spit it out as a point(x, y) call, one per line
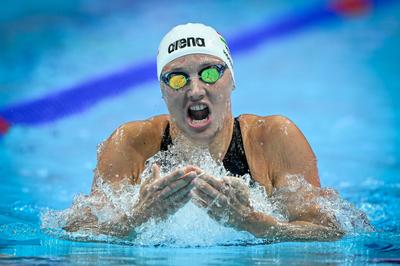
point(235, 160)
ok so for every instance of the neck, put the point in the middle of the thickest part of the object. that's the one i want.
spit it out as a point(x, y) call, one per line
point(219, 144)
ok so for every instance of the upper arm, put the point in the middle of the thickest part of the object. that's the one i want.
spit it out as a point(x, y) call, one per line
point(292, 152)
point(123, 154)
point(275, 149)
point(117, 156)
point(281, 151)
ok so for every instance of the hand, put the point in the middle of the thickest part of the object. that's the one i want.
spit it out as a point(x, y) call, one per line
point(226, 200)
point(160, 197)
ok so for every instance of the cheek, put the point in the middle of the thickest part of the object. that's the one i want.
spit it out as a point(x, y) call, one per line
point(174, 102)
point(222, 97)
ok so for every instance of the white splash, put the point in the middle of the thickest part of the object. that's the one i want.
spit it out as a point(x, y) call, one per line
point(191, 225)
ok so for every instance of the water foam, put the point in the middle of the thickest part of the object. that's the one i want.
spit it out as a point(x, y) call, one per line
point(191, 225)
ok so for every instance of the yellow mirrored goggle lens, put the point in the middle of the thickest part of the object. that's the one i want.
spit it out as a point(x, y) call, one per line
point(177, 82)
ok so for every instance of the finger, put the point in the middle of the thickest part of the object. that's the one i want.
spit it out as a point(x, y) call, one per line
point(243, 199)
point(165, 181)
point(214, 211)
point(197, 200)
point(212, 201)
point(236, 183)
point(155, 170)
point(206, 188)
point(177, 195)
point(184, 199)
point(184, 182)
point(231, 182)
point(176, 203)
point(198, 194)
point(199, 203)
point(191, 168)
point(182, 192)
point(212, 181)
point(217, 203)
point(179, 187)
point(214, 196)
point(154, 174)
point(237, 189)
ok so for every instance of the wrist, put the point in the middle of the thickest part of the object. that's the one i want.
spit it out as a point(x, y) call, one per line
point(260, 224)
point(137, 217)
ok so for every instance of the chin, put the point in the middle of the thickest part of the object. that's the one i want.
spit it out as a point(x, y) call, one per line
point(199, 126)
point(204, 137)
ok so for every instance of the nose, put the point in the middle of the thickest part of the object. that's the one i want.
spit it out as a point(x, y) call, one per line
point(196, 90)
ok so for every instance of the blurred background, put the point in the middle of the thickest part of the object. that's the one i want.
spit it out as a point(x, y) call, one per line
point(72, 71)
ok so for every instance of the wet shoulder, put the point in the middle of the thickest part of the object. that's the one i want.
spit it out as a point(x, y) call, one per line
point(123, 154)
point(263, 144)
point(141, 134)
point(281, 144)
point(142, 128)
point(266, 126)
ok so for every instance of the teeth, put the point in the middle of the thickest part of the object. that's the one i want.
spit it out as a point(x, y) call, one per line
point(199, 121)
point(198, 107)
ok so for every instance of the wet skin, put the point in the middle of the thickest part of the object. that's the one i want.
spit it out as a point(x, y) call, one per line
point(225, 199)
point(285, 152)
point(216, 96)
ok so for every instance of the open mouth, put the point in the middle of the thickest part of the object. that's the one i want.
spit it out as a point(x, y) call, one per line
point(199, 115)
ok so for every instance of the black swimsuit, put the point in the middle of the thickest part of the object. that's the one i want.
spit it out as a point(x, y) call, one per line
point(235, 158)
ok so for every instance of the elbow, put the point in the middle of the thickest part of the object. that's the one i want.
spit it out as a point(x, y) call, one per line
point(332, 230)
point(334, 234)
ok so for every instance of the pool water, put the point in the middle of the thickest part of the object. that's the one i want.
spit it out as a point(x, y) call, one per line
point(338, 80)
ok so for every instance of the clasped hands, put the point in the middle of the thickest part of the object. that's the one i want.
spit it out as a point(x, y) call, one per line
point(226, 200)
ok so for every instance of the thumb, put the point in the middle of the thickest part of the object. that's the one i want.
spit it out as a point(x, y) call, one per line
point(155, 171)
point(239, 189)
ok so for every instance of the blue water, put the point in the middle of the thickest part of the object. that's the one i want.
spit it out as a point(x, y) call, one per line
point(338, 81)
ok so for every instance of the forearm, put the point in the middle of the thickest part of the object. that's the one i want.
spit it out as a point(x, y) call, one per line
point(101, 214)
point(85, 221)
point(265, 226)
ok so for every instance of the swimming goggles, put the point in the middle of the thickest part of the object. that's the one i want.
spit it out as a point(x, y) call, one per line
point(176, 80)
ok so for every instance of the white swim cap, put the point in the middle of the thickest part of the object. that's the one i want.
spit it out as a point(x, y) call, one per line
point(192, 38)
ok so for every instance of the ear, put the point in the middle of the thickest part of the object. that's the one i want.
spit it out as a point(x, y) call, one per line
point(163, 92)
point(233, 84)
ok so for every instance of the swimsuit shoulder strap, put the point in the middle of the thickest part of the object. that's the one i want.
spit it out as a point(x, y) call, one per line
point(235, 160)
point(166, 140)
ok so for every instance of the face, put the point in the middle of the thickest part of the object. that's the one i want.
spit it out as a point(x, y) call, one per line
point(198, 109)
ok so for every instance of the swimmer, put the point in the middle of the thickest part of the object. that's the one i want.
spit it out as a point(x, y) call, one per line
point(196, 76)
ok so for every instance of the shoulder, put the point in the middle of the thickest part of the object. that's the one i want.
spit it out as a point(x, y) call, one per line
point(142, 138)
point(277, 125)
point(273, 134)
point(141, 127)
point(138, 131)
point(123, 154)
point(279, 140)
